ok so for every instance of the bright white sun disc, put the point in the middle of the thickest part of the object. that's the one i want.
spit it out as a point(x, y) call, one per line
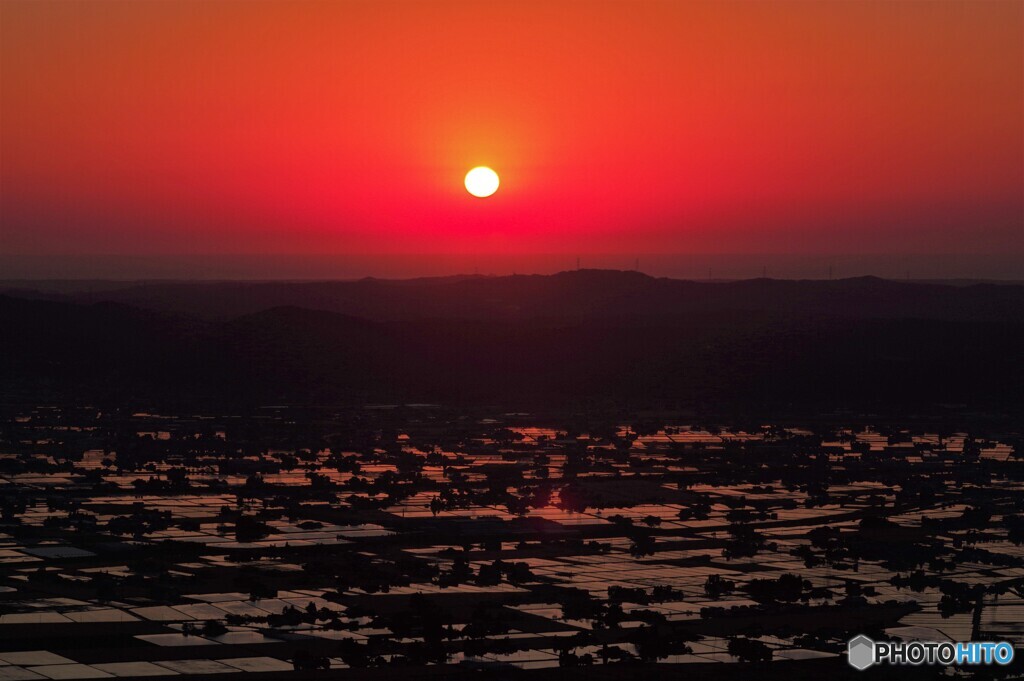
point(481, 181)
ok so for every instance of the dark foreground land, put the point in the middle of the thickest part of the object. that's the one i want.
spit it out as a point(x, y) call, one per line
point(422, 541)
point(236, 480)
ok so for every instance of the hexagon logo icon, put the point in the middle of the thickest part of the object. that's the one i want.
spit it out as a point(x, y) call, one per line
point(860, 652)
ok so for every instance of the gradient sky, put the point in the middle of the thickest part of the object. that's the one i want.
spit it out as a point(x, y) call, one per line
point(211, 126)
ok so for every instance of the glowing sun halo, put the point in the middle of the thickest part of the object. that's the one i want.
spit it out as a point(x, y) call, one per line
point(481, 181)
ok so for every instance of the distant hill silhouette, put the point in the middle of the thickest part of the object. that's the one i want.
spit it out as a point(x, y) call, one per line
point(532, 340)
point(577, 294)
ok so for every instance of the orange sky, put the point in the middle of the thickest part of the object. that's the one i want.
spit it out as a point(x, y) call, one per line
point(171, 126)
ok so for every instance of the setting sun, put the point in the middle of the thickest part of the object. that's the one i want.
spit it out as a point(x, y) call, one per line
point(481, 181)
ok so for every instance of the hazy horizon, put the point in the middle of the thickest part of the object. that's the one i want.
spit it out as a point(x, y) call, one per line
point(353, 266)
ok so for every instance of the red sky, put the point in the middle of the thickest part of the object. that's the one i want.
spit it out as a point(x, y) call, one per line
point(346, 127)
